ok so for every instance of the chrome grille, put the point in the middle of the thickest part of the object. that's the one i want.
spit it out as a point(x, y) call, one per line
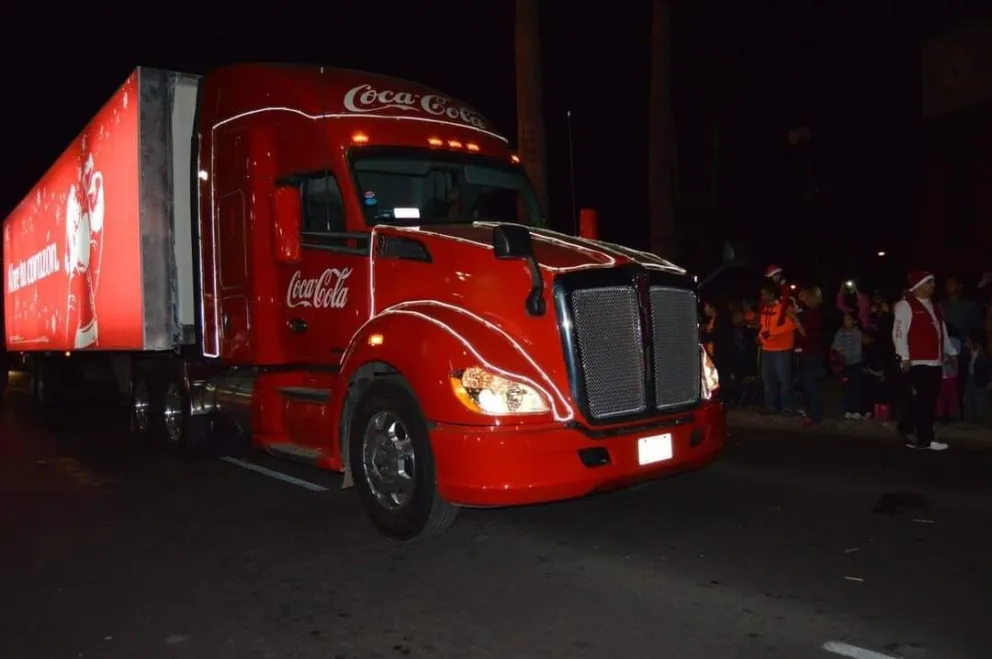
point(675, 330)
point(607, 329)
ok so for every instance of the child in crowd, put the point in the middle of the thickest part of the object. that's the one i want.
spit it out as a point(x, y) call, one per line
point(877, 358)
point(977, 378)
point(947, 402)
point(847, 346)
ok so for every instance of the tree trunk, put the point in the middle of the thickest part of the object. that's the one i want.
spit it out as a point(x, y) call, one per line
point(530, 102)
point(662, 158)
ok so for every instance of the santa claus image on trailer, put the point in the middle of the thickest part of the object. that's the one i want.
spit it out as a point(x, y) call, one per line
point(84, 248)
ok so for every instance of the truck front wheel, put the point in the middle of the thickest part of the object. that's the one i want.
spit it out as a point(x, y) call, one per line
point(392, 463)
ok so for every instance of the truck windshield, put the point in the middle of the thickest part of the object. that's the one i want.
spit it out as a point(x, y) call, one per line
point(419, 186)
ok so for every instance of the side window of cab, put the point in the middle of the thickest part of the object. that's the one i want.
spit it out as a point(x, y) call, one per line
point(323, 209)
point(323, 223)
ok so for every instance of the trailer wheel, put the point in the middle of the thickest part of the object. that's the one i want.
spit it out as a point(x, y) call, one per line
point(392, 463)
point(34, 376)
point(187, 435)
point(141, 407)
point(47, 382)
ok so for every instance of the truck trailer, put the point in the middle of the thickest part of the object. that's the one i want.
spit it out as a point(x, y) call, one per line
point(352, 271)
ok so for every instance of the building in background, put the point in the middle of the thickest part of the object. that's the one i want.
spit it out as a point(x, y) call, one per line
point(957, 108)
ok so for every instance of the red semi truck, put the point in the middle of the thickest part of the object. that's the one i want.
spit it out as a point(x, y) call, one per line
point(353, 271)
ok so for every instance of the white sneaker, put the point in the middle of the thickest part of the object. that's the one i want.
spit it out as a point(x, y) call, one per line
point(856, 416)
point(938, 446)
point(848, 416)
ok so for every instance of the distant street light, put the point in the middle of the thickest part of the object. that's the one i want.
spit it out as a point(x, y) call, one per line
point(881, 253)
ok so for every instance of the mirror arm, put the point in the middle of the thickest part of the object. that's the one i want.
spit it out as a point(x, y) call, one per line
point(535, 300)
point(713, 275)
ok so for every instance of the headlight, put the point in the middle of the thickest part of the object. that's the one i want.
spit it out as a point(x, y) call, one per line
point(710, 381)
point(487, 393)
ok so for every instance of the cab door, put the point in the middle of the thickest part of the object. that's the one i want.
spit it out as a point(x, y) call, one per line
point(327, 292)
point(230, 226)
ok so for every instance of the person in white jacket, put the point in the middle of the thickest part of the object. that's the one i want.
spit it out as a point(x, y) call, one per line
point(923, 346)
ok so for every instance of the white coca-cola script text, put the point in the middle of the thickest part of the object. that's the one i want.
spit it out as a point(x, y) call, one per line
point(328, 291)
point(365, 98)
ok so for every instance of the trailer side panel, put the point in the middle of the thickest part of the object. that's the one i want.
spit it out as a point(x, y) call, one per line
point(184, 91)
point(72, 277)
point(168, 104)
point(159, 319)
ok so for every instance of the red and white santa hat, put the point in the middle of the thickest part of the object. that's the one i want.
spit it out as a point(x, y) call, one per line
point(773, 270)
point(918, 277)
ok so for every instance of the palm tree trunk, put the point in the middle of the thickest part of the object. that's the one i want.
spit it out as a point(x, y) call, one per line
point(530, 101)
point(662, 158)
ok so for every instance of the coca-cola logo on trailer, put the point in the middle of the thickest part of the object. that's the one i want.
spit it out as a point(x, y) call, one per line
point(328, 291)
point(365, 99)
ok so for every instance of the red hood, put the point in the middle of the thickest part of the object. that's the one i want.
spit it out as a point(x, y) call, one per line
point(554, 251)
point(464, 276)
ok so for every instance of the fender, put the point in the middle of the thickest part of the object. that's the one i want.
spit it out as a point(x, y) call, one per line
point(428, 340)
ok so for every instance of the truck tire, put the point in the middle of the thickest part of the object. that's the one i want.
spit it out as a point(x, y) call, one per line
point(392, 463)
point(48, 383)
point(188, 436)
point(4, 377)
point(142, 414)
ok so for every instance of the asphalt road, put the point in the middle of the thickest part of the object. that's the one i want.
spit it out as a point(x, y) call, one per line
point(789, 544)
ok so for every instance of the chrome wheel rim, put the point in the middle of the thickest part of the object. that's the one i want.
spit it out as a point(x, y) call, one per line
point(173, 413)
point(388, 460)
point(141, 407)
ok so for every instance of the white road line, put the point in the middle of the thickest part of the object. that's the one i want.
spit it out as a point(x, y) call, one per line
point(278, 475)
point(853, 651)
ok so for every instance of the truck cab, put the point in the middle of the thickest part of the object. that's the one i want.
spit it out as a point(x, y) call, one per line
point(374, 253)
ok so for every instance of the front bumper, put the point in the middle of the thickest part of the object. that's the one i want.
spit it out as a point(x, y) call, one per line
point(513, 466)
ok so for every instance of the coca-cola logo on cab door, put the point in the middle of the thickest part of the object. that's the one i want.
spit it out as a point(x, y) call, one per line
point(328, 291)
point(365, 99)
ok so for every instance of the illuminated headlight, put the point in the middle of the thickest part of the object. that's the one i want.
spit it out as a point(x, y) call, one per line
point(487, 393)
point(710, 381)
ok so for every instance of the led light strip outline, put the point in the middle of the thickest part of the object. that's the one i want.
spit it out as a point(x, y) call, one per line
point(351, 115)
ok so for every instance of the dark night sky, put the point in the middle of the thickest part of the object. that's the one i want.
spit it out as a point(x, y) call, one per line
point(849, 70)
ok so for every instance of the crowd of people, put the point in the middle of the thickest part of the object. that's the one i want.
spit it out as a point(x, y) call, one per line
point(925, 357)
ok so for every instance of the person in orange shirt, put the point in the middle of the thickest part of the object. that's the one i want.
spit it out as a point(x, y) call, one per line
point(786, 291)
point(777, 337)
